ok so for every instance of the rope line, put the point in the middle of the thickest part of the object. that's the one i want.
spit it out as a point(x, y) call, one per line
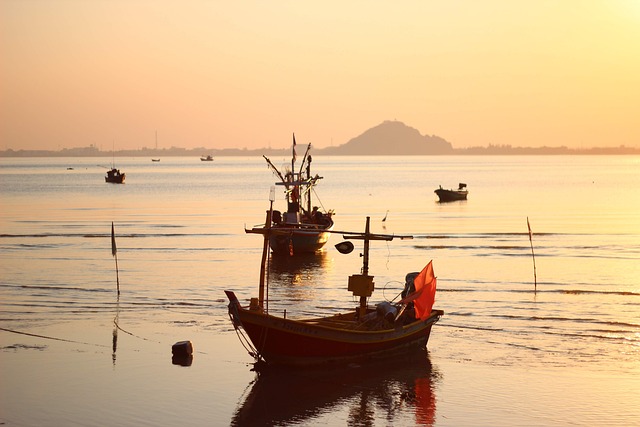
point(51, 338)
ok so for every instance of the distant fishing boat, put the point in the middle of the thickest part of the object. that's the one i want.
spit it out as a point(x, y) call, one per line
point(114, 176)
point(452, 195)
point(206, 159)
point(302, 228)
point(156, 160)
point(362, 335)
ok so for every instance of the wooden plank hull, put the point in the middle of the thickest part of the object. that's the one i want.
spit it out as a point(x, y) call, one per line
point(300, 241)
point(281, 341)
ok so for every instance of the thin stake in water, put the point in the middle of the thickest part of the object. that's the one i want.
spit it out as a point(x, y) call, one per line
point(533, 255)
point(114, 252)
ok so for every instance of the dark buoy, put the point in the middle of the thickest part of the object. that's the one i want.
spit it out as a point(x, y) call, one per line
point(182, 348)
point(182, 353)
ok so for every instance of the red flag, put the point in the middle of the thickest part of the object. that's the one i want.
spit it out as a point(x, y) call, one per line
point(425, 284)
point(113, 242)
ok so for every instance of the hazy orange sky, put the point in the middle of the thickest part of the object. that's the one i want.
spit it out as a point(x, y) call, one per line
point(249, 73)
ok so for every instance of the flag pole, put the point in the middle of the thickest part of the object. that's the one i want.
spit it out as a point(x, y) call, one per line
point(533, 255)
point(114, 252)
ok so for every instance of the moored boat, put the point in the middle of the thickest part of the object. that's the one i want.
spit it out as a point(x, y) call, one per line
point(364, 334)
point(302, 228)
point(207, 158)
point(452, 195)
point(114, 176)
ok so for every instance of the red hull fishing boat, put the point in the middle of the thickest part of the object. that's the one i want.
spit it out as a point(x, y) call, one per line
point(364, 334)
point(303, 228)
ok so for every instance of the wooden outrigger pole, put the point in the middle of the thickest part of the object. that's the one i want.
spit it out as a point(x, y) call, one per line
point(304, 159)
point(276, 171)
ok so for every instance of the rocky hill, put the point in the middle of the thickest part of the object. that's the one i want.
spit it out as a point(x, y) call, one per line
point(391, 138)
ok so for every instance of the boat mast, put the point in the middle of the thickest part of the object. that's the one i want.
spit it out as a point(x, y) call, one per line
point(362, 284)
point(293, 158)
point(265, 248)
point(365, 271)
point(309, 188)
point(365, 261)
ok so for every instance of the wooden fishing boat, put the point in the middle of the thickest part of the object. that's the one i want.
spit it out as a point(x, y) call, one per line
point(364, 334)
point(114, 176)
point(302, 228)
point(452, 195)
point(207, 158)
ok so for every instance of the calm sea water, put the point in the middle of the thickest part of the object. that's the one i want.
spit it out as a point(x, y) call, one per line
point(565, 351)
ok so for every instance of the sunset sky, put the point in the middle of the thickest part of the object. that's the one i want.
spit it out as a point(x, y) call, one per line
point(246, 74)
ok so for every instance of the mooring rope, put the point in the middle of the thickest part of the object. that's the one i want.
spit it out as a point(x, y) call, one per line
point(115, 322)
point(51, 338)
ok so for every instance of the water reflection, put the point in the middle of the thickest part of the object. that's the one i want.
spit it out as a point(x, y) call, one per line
point(295, 269)
point(296, 279)
point(391, 391)
point(115, 332)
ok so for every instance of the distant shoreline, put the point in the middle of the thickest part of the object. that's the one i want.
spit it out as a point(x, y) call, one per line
point(389, 138)
point(329, 151)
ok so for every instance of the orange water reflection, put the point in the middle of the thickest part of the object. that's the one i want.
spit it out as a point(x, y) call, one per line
point(399, 390)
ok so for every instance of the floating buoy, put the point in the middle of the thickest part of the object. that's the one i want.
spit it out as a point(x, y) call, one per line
point(182, 348)
point(182, 353)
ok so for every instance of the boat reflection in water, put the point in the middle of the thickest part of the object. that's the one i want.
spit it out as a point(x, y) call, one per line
point(284, 268)
point(398, 392)
point(295, 282)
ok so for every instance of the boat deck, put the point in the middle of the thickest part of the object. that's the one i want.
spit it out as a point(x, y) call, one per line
point(370, 322)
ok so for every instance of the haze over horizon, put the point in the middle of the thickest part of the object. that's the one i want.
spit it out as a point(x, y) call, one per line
point(248, 74)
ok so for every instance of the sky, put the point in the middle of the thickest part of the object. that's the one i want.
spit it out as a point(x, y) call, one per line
point(247, 74)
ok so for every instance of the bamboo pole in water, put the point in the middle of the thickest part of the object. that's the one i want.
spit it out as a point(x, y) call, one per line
point(533, 255)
